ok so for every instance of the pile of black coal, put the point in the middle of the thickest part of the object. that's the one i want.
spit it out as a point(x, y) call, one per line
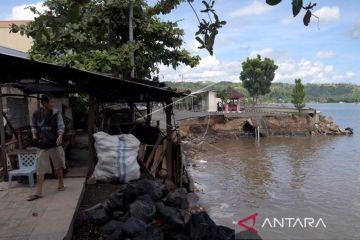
point(146, 209)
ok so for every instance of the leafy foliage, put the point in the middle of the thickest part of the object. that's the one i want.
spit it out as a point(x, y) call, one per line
point(223, 95)
point(298, 95)
point(297, 5)
point(208, 29)
point(93, 35)
point(281, 92)
point(257, 75)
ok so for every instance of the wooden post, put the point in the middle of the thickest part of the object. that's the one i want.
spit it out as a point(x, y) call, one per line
point(169, 145)
point(132, 112)
point(91, 130)
point(2, 137)
point(148, 113)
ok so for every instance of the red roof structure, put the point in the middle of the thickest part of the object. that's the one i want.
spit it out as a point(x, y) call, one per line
point(233, 94)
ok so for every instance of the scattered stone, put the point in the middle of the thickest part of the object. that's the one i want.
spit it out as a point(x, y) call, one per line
point(133, 227)
point(349, 130)
point(228, 232)
point(118, 214)
point(328, 120)
point(152, 233)
point(115, 235)
point(97, 214)
point(170, 215)
point(201, 227)
point(146, 186)
point(178, 199)
point(110, 227)
point(143, 209)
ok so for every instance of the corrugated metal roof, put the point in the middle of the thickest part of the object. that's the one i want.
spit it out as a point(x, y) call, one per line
point(17, 66)
point(13, 52)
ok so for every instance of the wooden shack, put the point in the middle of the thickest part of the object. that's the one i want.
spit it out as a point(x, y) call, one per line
point(35, 77)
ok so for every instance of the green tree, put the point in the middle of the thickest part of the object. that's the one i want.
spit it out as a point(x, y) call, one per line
point(94, 35)
point(223, 95)
point(298, 95)
point(257, 75)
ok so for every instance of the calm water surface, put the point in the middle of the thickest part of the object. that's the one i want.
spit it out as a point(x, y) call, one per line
point(316, 177)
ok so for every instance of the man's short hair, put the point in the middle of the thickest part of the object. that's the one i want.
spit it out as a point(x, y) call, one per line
point(45, 98)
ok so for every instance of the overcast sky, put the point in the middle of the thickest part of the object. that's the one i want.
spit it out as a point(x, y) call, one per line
point(325, 52)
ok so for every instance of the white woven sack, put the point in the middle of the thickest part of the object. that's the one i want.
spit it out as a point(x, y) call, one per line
point(116, 157)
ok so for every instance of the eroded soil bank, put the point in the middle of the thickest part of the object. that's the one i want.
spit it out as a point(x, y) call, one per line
point(214, 127)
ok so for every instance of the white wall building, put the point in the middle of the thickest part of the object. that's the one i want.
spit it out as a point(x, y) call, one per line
point(204, 101)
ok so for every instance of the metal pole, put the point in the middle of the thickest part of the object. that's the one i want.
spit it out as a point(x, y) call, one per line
point(131, 36)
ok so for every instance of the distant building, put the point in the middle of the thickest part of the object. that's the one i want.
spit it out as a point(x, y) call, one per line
point(14, 40)
point(234, 98)
point(204, 101)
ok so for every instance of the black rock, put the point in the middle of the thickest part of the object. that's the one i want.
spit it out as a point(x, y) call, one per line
point(115, 202)
point(228, 232)
point(147, 186)
point(97, 214)
point(110, 227)
point(133, 227)
point(152, 233)
point(115, 235)
point(119, 200)
point(143, 208)
point(247, 235)
point(201, 227)
point(178, 199)
point(170, 215)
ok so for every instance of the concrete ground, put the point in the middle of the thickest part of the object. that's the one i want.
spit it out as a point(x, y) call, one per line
point(50, 217)
point(47, 218)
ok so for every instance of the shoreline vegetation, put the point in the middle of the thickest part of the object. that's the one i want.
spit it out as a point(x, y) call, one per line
point(281, 92)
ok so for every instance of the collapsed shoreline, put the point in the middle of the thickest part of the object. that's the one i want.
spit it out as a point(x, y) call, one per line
point(220, 126)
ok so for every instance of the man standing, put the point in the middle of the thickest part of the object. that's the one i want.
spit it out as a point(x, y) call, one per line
point(47, 129)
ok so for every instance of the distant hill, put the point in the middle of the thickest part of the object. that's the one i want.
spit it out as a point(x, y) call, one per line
point(281, 92)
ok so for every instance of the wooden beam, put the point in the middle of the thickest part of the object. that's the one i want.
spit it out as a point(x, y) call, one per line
point(169, 145)
point(2, 137)
point(91, 131)
point(148, 113)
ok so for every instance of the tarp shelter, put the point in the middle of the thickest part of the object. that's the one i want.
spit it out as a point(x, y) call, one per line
point(32, 77)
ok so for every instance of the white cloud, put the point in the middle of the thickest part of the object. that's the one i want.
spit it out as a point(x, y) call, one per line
point(355, 32)
point(212, 69)
point(209, 69)
point(328, 14)
point(310, 72)
point(325, 54)
point(255, 8)
point(193, 47)
point(266, 52)
point(22, 12)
